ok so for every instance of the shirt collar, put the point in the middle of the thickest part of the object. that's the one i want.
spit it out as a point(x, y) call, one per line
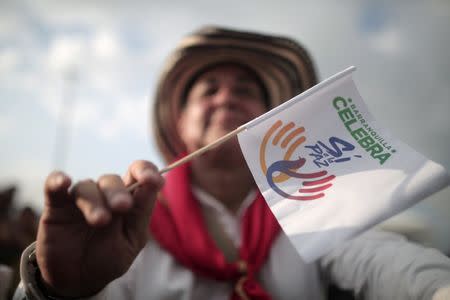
point(210, 201)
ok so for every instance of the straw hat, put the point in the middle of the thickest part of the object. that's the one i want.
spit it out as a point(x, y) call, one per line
point(283, 66)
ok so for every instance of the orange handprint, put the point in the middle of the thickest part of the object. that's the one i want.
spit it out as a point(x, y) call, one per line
point(318, 181)
point(287, 156)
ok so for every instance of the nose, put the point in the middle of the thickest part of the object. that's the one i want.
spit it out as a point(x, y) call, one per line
point(225, 96)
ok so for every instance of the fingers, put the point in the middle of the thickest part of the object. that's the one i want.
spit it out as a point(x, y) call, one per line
point(56, 189)
point(115, 192)
point(145, 173)
point(90, 200)
point(150, 182)
point(99, 201)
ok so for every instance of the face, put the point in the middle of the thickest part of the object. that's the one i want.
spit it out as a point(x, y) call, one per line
point(219, 101)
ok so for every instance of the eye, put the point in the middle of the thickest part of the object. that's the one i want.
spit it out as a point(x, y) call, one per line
point(246, 91)
point(210, 90)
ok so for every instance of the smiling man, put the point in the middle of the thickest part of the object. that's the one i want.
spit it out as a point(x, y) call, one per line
point(211, 234)
point(222, 98)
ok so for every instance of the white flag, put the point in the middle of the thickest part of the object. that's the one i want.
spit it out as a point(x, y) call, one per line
point(329, 171)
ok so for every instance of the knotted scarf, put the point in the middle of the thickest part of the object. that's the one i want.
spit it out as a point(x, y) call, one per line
point(177, 224)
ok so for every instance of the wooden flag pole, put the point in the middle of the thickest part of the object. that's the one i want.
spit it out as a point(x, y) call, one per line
point(196, 153)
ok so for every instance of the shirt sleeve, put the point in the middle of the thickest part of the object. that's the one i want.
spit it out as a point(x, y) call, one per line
point(28, 288)
point(384, 265)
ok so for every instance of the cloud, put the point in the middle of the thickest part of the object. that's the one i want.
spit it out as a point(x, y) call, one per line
point(106, 46)
point(7, 125)
point(127, 118)
point(441, 8)
point(10, 22)
point(387, 41)
point(9, 60)
point(86, 78)
point(66, 53)
point(107, 117)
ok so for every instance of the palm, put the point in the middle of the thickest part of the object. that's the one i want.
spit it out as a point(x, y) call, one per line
point(80, 251)
point(84, 259)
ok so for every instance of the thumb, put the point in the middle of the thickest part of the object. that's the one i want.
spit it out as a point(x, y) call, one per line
point(137, 220)
point(144, 196)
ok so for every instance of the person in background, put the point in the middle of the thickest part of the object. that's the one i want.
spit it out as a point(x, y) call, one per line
point(6, 276)
point(211, 235)
point(18, 227)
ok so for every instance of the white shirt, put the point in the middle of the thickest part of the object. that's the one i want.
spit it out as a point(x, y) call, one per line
point(377, 265)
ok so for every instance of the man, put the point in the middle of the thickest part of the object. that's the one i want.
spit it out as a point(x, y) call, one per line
point(211, 235)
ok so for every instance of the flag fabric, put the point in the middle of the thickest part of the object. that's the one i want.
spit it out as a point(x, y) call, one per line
point(329, 171)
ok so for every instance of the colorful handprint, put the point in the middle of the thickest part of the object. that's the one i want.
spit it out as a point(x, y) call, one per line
point(313, 185)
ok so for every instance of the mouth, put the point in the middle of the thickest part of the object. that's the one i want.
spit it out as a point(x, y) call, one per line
point(227, 118)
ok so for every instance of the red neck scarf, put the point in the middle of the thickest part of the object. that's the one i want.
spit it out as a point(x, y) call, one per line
point(178, 225)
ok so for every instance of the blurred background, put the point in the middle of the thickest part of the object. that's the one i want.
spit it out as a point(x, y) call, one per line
point(77, 79)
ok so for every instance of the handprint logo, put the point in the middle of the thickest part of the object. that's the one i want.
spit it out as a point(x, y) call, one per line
point(289, 137)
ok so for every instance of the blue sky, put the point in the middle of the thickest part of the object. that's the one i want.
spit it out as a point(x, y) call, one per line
point(102, 58)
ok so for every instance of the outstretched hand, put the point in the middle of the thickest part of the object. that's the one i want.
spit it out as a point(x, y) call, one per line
point(90, 234)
